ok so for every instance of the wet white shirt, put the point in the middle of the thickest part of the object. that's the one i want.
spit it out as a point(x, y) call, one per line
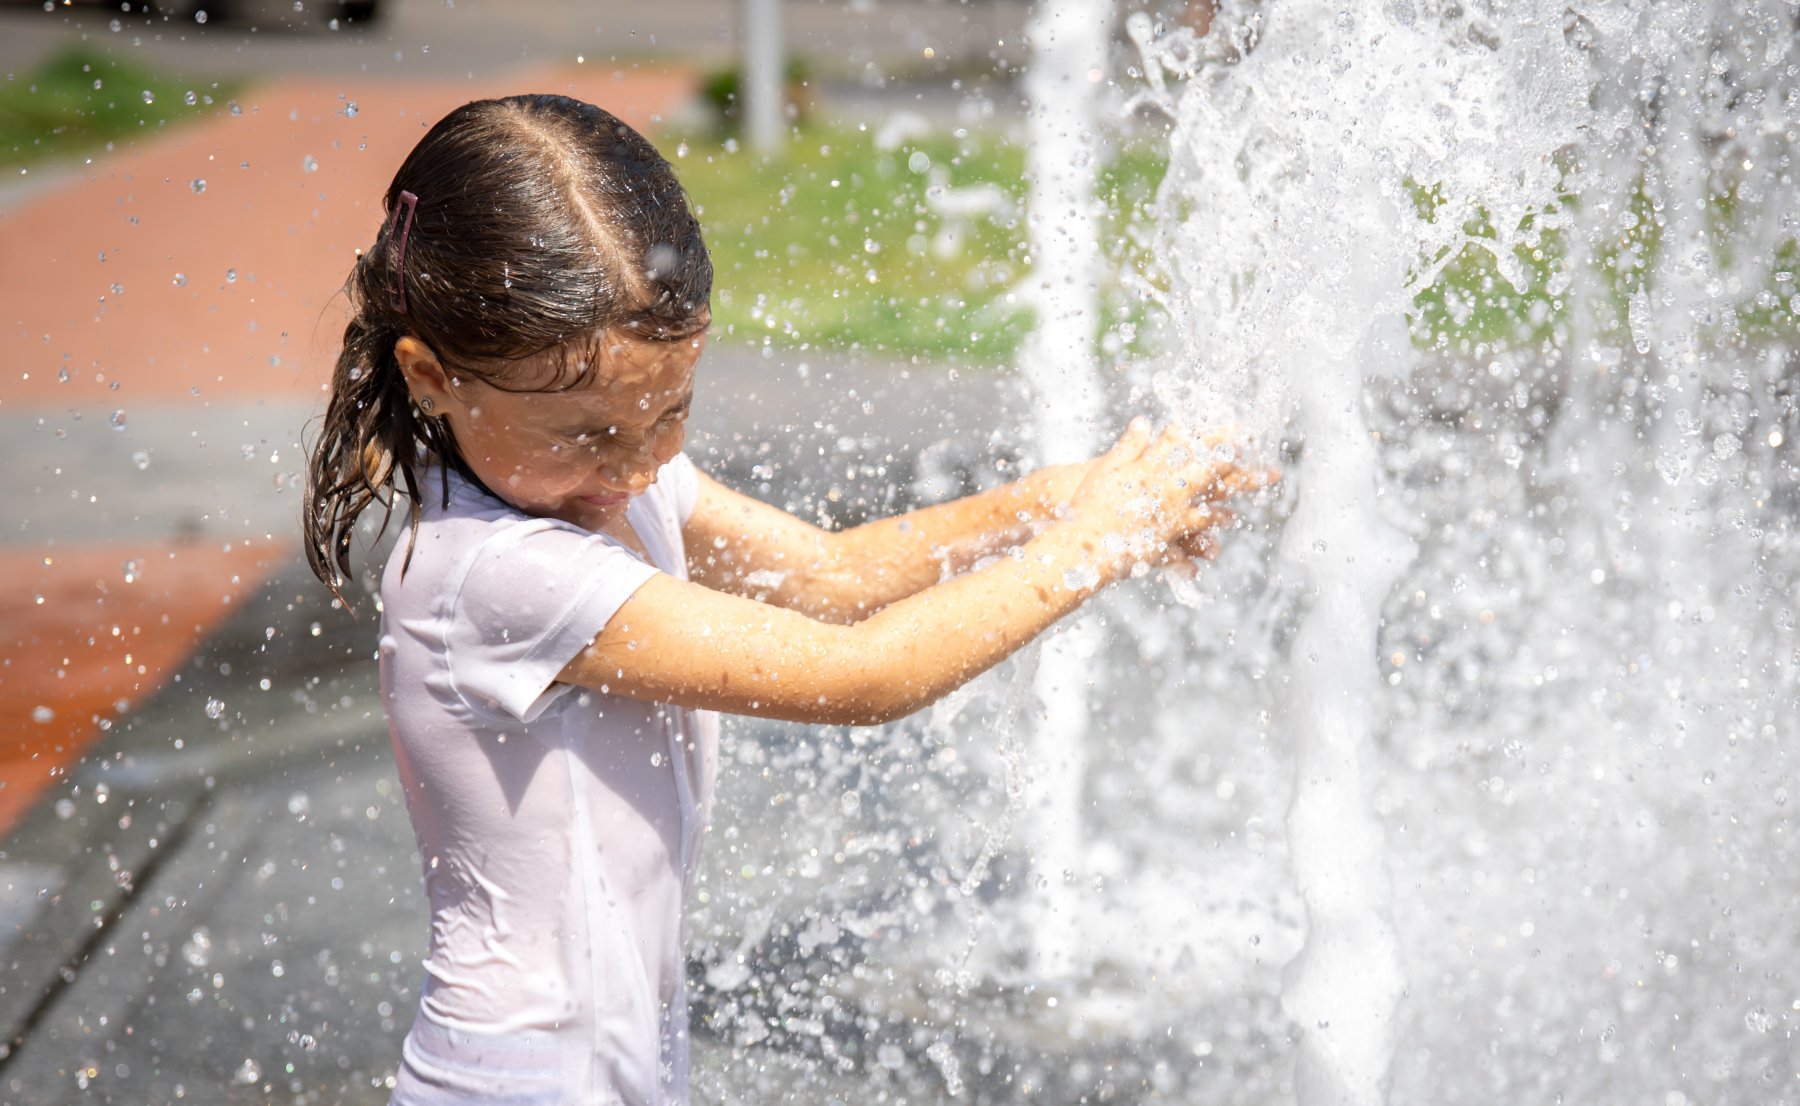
point(557, 826)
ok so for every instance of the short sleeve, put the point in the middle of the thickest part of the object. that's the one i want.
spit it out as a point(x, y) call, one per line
point(534, 597)
point(683, 482)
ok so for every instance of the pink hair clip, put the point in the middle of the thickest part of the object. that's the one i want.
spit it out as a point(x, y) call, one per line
point(411, 203)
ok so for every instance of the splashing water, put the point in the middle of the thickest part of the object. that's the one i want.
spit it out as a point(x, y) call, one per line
point(1329, 167)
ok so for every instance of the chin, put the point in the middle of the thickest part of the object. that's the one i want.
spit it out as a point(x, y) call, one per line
point(602, 502)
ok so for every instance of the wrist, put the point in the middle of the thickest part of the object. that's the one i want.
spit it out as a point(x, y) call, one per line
point(1087, 554)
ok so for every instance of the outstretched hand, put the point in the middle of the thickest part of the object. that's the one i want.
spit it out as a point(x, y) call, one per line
point(1155, 497)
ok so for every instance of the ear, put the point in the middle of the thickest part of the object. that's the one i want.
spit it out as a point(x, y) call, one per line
point(425, 376)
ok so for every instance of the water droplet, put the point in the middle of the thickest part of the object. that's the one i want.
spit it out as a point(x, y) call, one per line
point(299, 805)
point(41, 714)
point(133, 569)
point(350, 109)
point(180, 280)
point(1637, 316)
point(198, 185)
point(1759, 1020)
point(65, 809)
point(200, 17)
point(117, 421)
point(1081, 578)
point(62, 376)
point(919, 162)
point(215, 708)
point(149, 97)
point(190, 98)
point(309, 163)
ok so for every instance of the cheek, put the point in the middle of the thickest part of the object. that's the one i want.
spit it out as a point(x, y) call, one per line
point(527, 464)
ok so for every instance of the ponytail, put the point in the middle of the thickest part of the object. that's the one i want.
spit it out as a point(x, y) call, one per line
point(372, 439)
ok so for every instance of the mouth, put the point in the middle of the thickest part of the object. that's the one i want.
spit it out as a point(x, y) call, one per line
point(603, 500)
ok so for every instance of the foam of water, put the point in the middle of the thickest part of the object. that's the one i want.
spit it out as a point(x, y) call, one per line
point(1327, 165)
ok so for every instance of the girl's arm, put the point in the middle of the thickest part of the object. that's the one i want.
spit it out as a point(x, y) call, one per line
point(743, 546)
point(683, 643)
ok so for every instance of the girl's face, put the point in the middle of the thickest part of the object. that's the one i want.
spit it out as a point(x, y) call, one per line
point(577, 455)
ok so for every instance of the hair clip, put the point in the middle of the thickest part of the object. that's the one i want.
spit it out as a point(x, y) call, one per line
point(411, 203)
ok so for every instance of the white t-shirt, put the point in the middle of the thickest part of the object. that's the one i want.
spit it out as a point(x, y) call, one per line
point(557, 826)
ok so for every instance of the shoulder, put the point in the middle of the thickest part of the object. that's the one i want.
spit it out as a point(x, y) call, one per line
point(461, 528)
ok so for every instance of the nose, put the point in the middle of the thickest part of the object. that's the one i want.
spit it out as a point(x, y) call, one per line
point(631, 475)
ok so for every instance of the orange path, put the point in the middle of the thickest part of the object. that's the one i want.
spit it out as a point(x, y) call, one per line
point(98, 645)
point(293, 186)
point(88, 280)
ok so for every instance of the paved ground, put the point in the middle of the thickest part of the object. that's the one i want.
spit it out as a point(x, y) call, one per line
point(207, 887)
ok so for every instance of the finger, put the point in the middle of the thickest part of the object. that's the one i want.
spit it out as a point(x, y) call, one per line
point(1215, 518)
point(1228, 434)
point(1136, 437)
point(1162, 444)
point(1229, 481)
point(1200, 547)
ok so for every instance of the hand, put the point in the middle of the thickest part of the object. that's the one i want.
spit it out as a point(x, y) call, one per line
point(1154, 498)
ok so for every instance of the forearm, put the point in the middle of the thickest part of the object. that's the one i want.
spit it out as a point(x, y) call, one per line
point(880, 562)
point(931, 643)
point(677, 642)
point(683, 642)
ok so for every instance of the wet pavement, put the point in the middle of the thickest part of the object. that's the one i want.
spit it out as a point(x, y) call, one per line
point(208, 890)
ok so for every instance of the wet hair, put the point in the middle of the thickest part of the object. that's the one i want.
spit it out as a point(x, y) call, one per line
point(539, 221)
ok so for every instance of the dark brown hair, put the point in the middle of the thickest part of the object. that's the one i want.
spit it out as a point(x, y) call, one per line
point(539, 222)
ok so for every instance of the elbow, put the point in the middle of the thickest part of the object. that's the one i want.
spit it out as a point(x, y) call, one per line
point(888, 683)
point(875, 706)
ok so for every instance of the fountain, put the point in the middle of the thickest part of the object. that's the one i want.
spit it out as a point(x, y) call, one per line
point(1510, 290)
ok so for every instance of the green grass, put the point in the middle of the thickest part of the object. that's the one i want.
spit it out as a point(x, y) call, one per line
point(833, 244)
point(79, 101)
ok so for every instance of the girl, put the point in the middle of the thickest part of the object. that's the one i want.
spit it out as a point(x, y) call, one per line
point(574, 598)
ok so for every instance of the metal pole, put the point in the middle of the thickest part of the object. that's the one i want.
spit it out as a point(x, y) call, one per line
point(760, 97)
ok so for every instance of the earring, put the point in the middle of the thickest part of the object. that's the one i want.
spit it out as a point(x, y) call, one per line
point(425, 404)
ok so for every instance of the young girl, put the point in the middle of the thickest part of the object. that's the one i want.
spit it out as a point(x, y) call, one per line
point(573, 599)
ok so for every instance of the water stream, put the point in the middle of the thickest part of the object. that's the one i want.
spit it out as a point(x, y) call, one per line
point(1331, 168)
